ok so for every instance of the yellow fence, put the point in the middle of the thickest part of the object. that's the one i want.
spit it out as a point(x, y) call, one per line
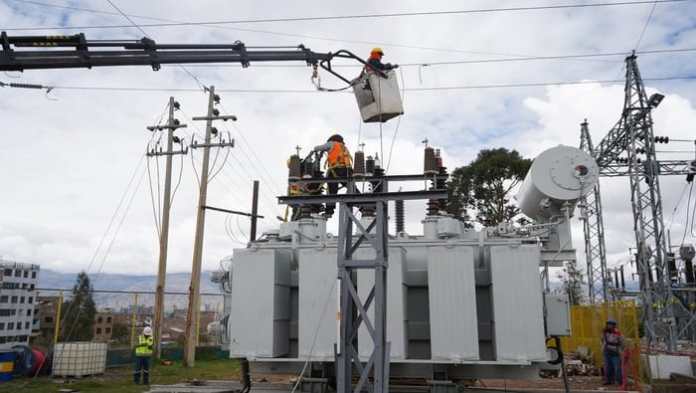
point(587, 323)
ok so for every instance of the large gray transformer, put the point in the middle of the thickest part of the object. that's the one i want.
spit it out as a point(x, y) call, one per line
point(460, 301)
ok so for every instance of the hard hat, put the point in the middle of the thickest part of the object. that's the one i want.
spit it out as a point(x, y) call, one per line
point(377, 50)
point(147, 331)
point(611, 322)
point(335, 138)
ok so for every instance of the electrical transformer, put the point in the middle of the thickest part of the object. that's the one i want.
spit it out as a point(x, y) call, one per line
point(465, 302)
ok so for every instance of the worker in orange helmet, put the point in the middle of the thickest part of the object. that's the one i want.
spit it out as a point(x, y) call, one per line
point(339, 164)
point(375, 61)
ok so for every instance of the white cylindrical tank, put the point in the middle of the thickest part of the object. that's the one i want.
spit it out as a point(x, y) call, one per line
point(558, 175)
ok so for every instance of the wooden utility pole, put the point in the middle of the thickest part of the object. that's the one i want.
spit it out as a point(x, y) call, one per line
point(193, 312)
point(172, 125)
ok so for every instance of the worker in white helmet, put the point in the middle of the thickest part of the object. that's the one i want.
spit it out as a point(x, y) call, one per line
point(143, 351)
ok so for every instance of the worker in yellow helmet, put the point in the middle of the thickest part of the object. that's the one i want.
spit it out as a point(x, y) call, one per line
point(374, 62)
point(339, 165)
point(143, 351)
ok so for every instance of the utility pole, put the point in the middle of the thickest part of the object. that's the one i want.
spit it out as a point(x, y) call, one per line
point(254, 211)
point(172, 125)
point(193, 312)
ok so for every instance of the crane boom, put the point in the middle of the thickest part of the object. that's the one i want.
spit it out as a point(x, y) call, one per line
point(46, 53)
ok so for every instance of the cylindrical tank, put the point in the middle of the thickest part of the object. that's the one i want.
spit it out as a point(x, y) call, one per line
point(429, 161)
point(294, 167)
point(558, 175)
point(369, 166)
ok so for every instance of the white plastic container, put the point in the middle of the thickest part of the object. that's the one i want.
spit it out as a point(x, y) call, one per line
point(79, 359)
point(379, 98)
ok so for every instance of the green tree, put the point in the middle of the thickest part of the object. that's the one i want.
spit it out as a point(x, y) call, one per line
point(78, 320)
point(483, 188)
point(120, 332)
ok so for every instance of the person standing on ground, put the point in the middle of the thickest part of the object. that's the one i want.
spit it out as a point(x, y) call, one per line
point(612, 346)
point(143, 351)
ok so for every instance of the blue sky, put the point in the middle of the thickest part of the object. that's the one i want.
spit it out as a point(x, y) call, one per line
point(70, 157)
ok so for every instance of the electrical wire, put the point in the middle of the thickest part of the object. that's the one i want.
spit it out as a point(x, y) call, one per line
point(688, 206)
point(676, 207)
point(645, 27)
point(314, 339)
point(398, 121)
point(195, 78)
point(276, 33)
point(359, 16)
point(412, 89)
point(580, 56)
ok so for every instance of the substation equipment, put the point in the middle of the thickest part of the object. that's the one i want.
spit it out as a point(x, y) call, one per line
point(460, 302)
point(665, 272)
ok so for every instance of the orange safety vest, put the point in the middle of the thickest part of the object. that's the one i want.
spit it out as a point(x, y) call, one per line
point(339, 157)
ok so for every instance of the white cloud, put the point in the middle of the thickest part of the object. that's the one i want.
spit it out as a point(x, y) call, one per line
point(65, 163)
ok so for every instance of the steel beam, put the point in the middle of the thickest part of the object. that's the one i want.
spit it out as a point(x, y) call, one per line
point(362, 198)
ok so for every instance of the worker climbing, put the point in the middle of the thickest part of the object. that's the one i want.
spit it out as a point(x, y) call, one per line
point(339, 164)
point(374, 62)
point(143, 351)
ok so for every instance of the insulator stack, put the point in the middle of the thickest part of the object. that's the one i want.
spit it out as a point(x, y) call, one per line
point(369, 166)
point(359, 163)
point(307, 168)
point(687, 253)
point(616, 278)
point(689, 271)
point(429, 161)
point(672, 267)
point(294, 167)
point(623, 279)
point(399, 215)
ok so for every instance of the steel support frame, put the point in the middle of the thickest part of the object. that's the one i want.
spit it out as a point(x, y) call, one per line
point(646, 201)
point(593, 228)
point(633, 134)
point(356, 311)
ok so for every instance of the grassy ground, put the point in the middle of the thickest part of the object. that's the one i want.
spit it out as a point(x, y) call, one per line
point(121, 379)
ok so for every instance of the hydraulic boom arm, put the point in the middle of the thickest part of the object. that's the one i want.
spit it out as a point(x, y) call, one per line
point(47, 53)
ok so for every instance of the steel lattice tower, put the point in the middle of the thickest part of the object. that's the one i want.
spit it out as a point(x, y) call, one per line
point(633, 135)
point(593, 227)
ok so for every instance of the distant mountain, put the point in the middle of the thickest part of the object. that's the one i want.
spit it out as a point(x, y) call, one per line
point(175, 282)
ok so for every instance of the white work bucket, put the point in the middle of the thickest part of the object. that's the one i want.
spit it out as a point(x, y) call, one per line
point(379, 98)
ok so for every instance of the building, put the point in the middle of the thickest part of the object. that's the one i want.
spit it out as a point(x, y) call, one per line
point(46, 316)
point(17, 302)
point(103, 325)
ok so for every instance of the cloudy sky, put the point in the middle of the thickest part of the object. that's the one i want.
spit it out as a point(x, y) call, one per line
point(68, 157)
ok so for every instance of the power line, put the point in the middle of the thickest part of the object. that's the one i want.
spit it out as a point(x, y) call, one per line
point(195, 78)
point(645, 27)
point(360, 16)
point(298, 91)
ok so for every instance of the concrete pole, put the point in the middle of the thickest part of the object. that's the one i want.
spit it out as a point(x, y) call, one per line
point(134, 319)
point(194, 289)
point(56, 331)
point(164, 236)
point(254, 211)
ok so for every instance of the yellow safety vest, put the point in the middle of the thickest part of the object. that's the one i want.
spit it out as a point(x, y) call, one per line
point(144, 347)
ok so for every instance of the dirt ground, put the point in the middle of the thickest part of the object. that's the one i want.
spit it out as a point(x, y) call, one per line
point(575, 382)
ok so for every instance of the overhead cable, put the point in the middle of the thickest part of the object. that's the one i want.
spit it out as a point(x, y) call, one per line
point(412, 89)
point(361, 16)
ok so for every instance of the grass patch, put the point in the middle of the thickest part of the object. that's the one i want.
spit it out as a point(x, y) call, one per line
point(120, 379)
